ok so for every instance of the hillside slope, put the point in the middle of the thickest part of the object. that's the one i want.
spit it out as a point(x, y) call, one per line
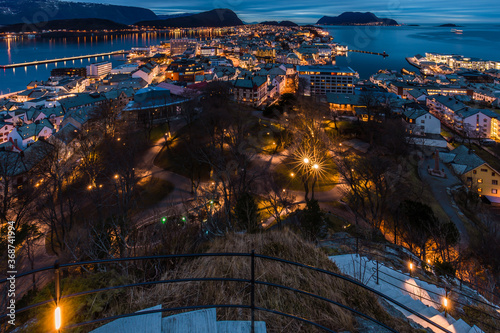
point(73, 24)
point(220, 17)
point(34, 11)
point(282, 244)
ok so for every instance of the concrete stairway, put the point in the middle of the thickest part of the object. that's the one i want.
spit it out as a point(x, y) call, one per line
point(200, 321)
point(424, 298)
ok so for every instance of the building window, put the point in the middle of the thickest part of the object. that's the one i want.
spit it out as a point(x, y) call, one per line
point(494, 182)
point(480, 190)
point(492, 174)
point(474, 171)
point(480, 180)
point(484, 170)
point(494, 191)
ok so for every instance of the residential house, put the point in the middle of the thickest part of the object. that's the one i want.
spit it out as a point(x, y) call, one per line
point(251, 90)
point(24, 136)
point(476, 174)
point(417, 95)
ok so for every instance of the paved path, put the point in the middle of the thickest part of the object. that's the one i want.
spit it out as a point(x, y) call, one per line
point(182, 192)
point(323, 197)
point(440, 188)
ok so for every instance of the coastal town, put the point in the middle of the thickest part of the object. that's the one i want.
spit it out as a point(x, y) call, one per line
point(217, 134)
point(457, 95)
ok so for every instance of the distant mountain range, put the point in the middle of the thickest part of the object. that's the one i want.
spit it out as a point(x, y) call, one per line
point(60, 13)
point(281, 24)
point(221, 17)
point(355, 18)
point(33, 11)
point(73, 24)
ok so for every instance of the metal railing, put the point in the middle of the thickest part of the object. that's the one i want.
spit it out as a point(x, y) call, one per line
point(362, 243)
point(251, 282)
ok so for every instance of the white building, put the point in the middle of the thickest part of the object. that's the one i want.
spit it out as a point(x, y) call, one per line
point(99, 69)
point(421, 122)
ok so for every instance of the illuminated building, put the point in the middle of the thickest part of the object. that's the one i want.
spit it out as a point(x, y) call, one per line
point(320, 80)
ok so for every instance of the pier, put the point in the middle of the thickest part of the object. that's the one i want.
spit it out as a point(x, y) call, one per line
point(368, 52)
point(48, 61)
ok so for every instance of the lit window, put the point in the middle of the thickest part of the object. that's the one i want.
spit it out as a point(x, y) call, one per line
point(494, 191)
point(480, 180)
point(479, 190)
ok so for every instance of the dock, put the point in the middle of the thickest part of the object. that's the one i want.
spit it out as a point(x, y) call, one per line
point(368, 52)
point(48, 61)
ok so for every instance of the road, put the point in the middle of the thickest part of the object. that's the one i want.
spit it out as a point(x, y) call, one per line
point(440, 188)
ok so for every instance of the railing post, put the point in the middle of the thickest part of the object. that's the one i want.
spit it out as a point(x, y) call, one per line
point(377, 271)
point(252, 290)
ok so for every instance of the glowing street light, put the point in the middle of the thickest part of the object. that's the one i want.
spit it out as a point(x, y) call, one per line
point(316, 166)
point(292, 175)
point(57, 317)
point(411, 268)
point(306, 160)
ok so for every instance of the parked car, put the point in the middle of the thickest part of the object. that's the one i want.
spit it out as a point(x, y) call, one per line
point(487, 142)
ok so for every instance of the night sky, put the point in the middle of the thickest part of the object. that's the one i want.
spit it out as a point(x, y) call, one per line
point(300, 11)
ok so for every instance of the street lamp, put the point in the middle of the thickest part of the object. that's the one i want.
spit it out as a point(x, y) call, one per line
point(411, 268)
point(445, 304)
point(306, 160)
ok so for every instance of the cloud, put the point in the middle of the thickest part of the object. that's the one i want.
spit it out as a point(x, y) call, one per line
point(408, 11)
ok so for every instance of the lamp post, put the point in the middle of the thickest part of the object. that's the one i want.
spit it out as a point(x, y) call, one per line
point(445, 304)
point(315, 170)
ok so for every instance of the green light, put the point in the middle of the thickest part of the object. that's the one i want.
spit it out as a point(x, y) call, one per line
point(184, 218)
point(211, 202)
point(163, 220)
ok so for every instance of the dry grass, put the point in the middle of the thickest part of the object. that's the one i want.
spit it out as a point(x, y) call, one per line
point(283, 244)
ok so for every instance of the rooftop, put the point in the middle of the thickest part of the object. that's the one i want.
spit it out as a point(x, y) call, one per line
point(326, 69)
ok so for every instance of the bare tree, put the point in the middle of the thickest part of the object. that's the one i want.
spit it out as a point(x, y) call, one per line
point(370, 190)
point(277, 199)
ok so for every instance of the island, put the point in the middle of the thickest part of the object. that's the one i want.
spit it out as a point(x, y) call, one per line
point(449, 25)
point(356, 18)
